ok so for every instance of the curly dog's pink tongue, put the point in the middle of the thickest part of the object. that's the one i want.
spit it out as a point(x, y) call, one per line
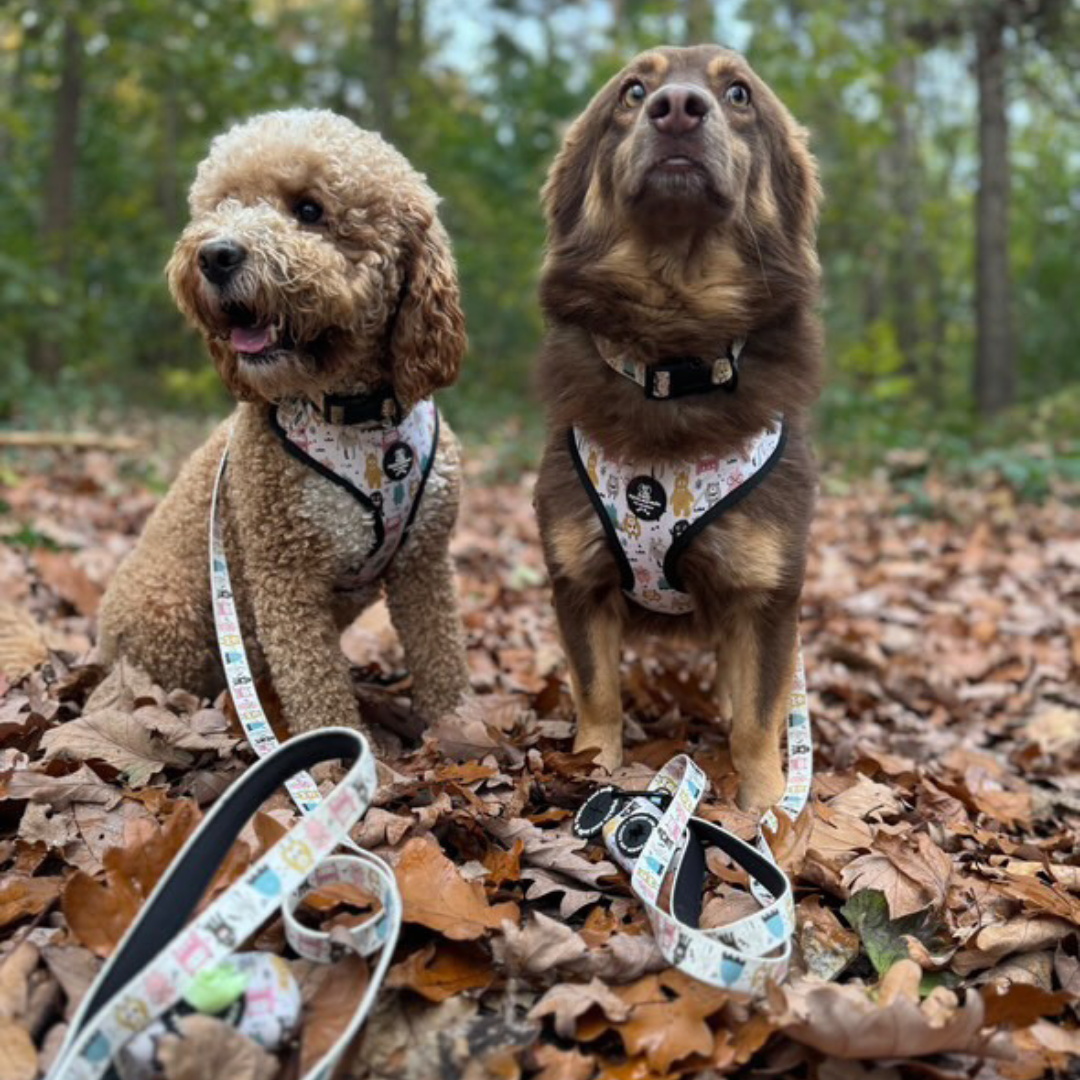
point(251, 339)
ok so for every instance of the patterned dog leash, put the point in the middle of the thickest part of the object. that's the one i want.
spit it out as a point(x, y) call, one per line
point(654, 836)
point(132, 991)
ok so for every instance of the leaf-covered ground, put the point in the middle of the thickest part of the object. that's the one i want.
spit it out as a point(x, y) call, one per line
point(937, 876)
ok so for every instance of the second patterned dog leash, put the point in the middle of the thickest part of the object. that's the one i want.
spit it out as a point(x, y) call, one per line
point(654, 836)
point(161, 955)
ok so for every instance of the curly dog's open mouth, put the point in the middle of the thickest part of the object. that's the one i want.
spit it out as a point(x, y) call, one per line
point(256, 339)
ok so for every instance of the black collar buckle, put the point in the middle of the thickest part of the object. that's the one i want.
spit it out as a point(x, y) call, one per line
point(377, 407)
point(682, 376)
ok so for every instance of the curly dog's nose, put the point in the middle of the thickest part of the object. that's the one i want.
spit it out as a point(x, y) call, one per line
point(220, 259)
point(677, 109)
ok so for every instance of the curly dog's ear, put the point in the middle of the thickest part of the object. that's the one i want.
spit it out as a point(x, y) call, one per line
point(428, 339)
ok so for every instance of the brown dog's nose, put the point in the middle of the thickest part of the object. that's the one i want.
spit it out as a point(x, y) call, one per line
point(677, 109)
point(220, 259)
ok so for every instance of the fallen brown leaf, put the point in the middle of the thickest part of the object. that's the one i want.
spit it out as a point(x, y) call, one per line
point(440, 971)
point(435, 895)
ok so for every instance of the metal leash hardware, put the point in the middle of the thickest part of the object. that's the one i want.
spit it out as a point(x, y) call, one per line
point(159, 956)
point(656, 838)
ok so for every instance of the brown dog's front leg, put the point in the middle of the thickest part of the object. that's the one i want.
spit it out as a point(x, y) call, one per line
point(592, 638)
point(422, 598)
point(756, 665)
point(294, 623)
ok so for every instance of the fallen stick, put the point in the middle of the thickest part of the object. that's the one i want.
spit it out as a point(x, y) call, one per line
point(58, 440)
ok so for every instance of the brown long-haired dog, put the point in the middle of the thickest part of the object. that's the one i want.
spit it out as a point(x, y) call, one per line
point(679, 290)
point(317, 270)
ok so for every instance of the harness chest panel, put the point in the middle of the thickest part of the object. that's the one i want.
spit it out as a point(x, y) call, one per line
point(651, 512)
point(383, 468)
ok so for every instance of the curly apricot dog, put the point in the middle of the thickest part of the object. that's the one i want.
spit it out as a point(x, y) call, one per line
point(318, 272)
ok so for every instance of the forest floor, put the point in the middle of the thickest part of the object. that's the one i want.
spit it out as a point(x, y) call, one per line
point(937, 872)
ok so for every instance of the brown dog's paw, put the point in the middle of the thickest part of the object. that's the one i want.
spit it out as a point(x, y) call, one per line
point(610, 756)
point(760, 790)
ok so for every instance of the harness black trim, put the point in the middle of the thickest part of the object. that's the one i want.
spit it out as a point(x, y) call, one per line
point(626, 571)
point(361, 497)
point(683, 540)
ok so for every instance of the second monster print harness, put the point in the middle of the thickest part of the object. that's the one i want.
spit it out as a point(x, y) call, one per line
point(383, 468)
point(652, 512)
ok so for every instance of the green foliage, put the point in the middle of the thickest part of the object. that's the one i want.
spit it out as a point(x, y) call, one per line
point(87, 322)
point(867, 913)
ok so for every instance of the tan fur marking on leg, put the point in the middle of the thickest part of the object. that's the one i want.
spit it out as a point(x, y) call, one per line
point(599, 706)
point(572, 541)
point(755, 739)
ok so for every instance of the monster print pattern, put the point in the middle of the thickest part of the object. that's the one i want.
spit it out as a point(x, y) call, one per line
point(648, 506)
point(384, 466)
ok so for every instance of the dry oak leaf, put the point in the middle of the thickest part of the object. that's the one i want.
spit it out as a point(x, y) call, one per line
point(911, 878)
point(331, 998)
point(836, 837)
point(98, 914)
point(74, 968)
point(435, 895)
point(551, 850)
point(543, 882)
point(1020, 1004)
point(60, 571)
point(81, 786)
point(992, 943)
point(18, 1058)
point(207, 1046)
point(21, 896)
point(541, 947)
point(867, 799)
point(827, 947)
point(120, 689)
point(116, 738)
point(22, 643)
point(568, 1001)
point(667, 1020)
point(439, 971)
point(556, 1064)
point(843, 1021)
point(15, 969)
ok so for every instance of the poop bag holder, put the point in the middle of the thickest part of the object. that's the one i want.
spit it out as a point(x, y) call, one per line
point(162, 956)
point(654, 836)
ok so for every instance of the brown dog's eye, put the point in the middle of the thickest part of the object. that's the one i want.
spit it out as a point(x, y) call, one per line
point(738, 94)
point(308, 211)
point(633, 95)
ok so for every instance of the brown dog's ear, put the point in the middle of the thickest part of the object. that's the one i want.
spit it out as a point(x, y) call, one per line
point(428, 339)
point(568, 179)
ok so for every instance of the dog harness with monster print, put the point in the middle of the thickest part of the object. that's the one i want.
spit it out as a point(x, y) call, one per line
point(652, 512)
point(383, 467)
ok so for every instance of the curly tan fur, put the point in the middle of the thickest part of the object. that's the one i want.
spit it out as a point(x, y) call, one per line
point(364, 297)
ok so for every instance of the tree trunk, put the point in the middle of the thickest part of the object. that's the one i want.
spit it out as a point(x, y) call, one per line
point(905, 185)
point(58, 210)
point(995, 370)
point(700, 22)
point(385, 65)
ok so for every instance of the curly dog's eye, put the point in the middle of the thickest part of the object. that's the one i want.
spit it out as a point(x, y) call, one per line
point(308, 211)
point(633, 94)
point(738, 94)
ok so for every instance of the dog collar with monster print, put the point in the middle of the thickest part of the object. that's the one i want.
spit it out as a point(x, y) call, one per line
point(383, 468)
point(678, 376)
point(652, 512)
